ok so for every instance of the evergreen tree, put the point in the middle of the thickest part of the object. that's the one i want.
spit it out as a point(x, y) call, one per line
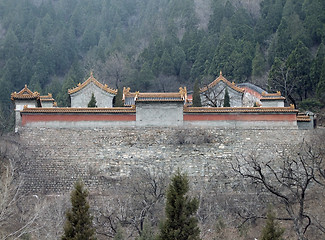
point(258, 63)
point(119, 99)
point(92, 102)
point(180, 223)
point(320, 91)
point(316, 67)
point(78, 225)
point(166, 64)
point(178, 57)
point(119, 233)
point(145, 77)
point(196, 95)
point(226, 101)
point(299, 62)
point(271, 230)
point(147, 233)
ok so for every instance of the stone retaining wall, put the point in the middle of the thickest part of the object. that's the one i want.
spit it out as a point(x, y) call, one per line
point(102, 156)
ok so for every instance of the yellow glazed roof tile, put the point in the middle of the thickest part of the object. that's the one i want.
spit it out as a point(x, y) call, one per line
point(239, 110)
point(156, 96)
point(25, 93)
point(223, 79)
point(272, 96)
point(79, 110)
point(91, 79)
point(47, 98)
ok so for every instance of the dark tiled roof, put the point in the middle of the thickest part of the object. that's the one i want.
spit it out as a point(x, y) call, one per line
point(252, 86)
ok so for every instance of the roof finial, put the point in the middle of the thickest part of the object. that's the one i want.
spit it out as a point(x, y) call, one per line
point(91, 74)
point(220, 73)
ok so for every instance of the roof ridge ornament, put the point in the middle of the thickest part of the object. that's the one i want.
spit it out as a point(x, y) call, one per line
point(220, 73)
point(92, 79)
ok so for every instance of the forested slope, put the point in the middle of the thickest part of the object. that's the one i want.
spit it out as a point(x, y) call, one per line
point(51, 45)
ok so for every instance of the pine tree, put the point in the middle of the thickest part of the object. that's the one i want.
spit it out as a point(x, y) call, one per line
point(320, 91)
point(271, 230)
point(316, 67)
point(78, 225)
point(147, 233)
point(299, 63)
point(226, 101)
point(92, 102)
point(180, 223)
point(196, 95)
point(119, 233)
point(258, 63)
point(119, 99)
point(167, 64)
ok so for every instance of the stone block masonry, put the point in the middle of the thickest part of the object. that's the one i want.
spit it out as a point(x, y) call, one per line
point(103, 156)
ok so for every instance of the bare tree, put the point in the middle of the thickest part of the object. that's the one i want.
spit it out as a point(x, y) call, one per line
point(290, 178)
point(18, 212)
point(130, 204)
point(49, 224)
point(117, 68)
point(280, 79)
point(214, 97)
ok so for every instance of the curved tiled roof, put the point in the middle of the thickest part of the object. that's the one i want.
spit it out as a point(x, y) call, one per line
point(303, 117)
point(240, 110)
point(252, 86)
point(180, 96)
point(24, 94)
point(223, 79)
point(91, 79)
point(79, 110)
point(47, 98)
point(271, 96)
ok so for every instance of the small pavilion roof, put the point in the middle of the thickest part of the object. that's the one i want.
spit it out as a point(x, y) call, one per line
point(222, 79)
point(91, 79)
point(25, 94)
point(271, 96)
point(180, 96)
point(47, 98)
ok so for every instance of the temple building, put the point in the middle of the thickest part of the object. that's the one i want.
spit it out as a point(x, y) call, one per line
point(213, 95)
point(250, 107)
point(81, 95)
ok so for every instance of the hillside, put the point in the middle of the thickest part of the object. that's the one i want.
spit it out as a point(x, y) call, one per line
point(126, 171)
point(51, 45)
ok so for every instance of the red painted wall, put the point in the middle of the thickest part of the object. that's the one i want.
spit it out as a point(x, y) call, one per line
point(240, 117)
point(251, 91)
point(26, 118)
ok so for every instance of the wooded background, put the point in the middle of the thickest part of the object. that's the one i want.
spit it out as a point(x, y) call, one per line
point(52, 45)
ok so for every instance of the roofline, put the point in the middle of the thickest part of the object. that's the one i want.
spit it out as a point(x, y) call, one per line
point(20, 96)
point(240, 110)
point(94, 80)
point(223, 79)
point(79, 110)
